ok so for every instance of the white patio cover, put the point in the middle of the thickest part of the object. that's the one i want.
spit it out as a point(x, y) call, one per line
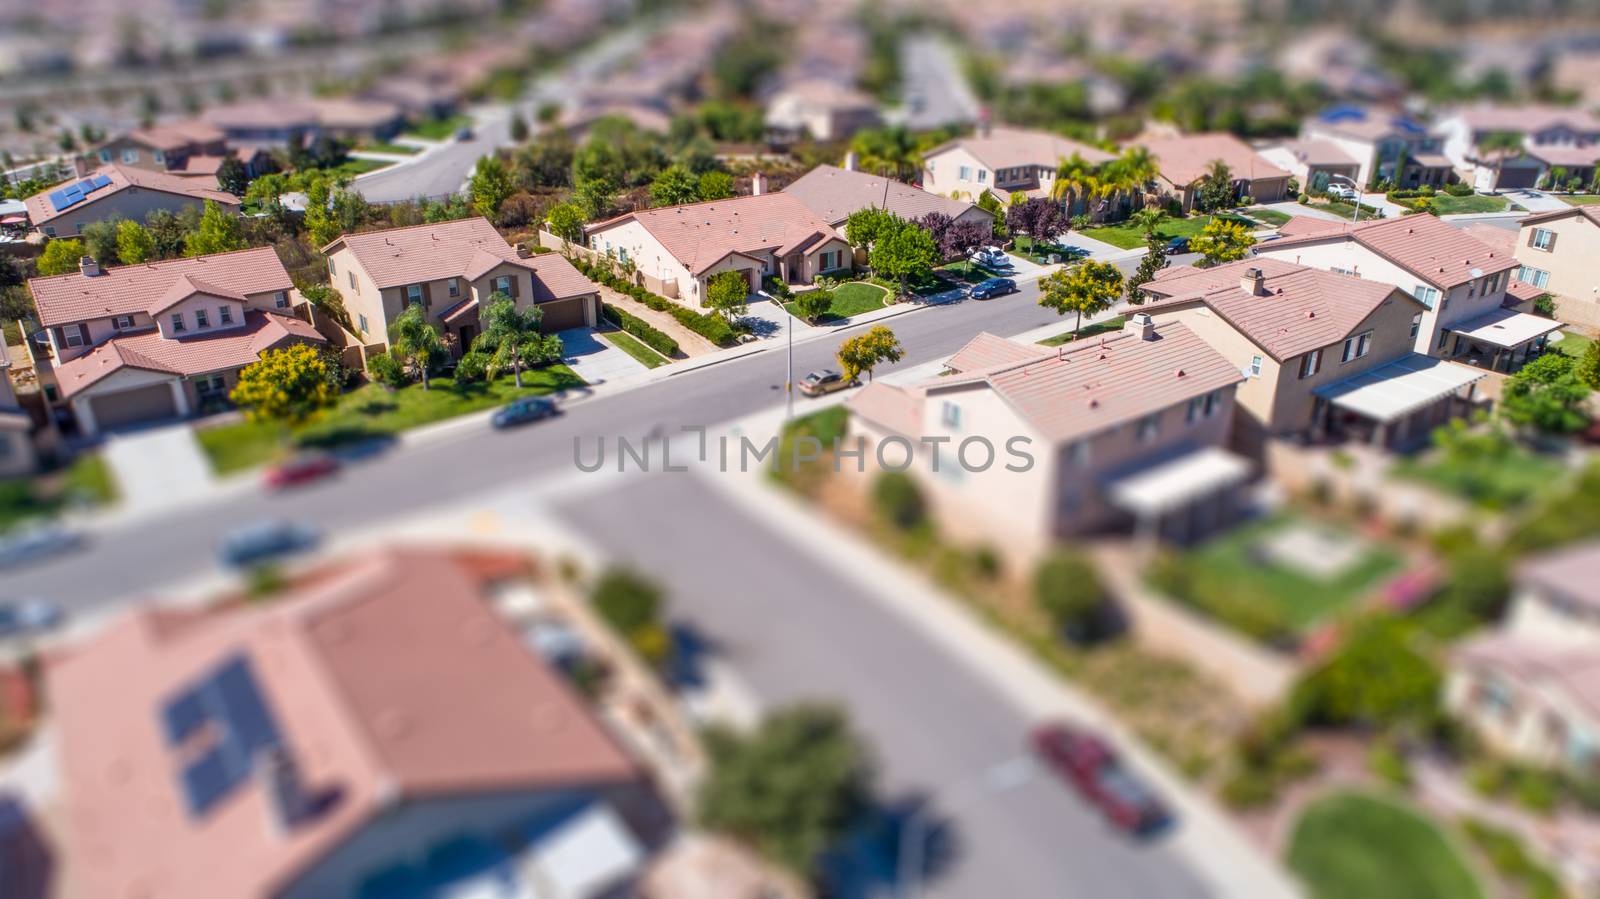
point(1179, 481)
point(1395, 390)
point(586, 856)
point(1507, 329)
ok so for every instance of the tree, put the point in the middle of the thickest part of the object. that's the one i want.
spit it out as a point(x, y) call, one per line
point(892, 152)
point(1546, 394)
point(329, 300)
point(864, 226)
point(511, 336)
point(675, 186)
point(219, 232)
point(1085, 289)
point(1039, 218)
point(1075, 179)
point(791, 788)
point(490, 185)
point(728, 293)
point(593, 196)
point(60, 256)
point(963, 237)
point(100, 241)
point(565, 220)
point(1588, 368)
point(267, 192)
point(715, 185)
point(1222, 241)
point(232, 177)
point(286, 385)
point(1148, 220)
point(632, 605)
point(519, 128)
point(989, 203)
point(904, 253)
point(1376, 677)
point(1155, 259)
point(813, 304)
point(319, 220)
point(1067, 588)
point(135, 244)
point(898, 500)
point(1216, 188)
point(414, 340)
point(936, 224)
point(863, 352)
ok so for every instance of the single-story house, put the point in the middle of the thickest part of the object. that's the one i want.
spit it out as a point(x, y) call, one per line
point(1183, 161)
point(116, 191)
point(1315, 163)
point(820, 108)
point(834, 193)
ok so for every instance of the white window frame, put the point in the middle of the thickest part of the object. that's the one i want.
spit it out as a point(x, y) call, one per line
point(362, 323)
point(1542, 239)
point(1539, 277)
point(1356, 346)
point(413, 294)
point(1255, 366)
point(201, 319)
point(1428, 295)
point(452, 286)
point(983, 176)
point(224, 315)
point(501, 284)
point(129, 155)
point(950, 415)
point(352, 278)
point(964, 173)
point(1416, 325)
point(1310, 364)
point(122, 322)
point(281, 299)
point(1149, 428)
point(73, 333)
point(178, 324)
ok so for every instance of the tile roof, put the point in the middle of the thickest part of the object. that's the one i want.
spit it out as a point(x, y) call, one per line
point(699, 235)
point(219, 349)
point(1367, 123)
point(127, 289)
point(1319, 152)
point(1007, 148)
point(1431, 249)
point(1303, 308)
point(833, 193)
point(390, 680)
point(122, 177)
point(1566, 155)
point(989, 350)
point(1573, 573)
point(177, 135)
point(187, 286)
point(1527, 118)
point(1185, 159)
point(1080, 389)
point(1573, 669)
point(467, 248)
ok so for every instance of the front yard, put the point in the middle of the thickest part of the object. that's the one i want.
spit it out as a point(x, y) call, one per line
point(1581, 200)
point(353, 167)
point(439, 129)
point(1446, 204)
point(1355, 844)
point(85, 482)
point(1128, 236)
point(642, 354)
point(371, 412)
point(852, 298)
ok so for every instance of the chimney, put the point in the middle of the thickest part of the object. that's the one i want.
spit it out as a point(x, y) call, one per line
point(852, 161)
point(1142, 324)
point(984, 121)
point(1253, 282)
point(758, 184)
point(279, 777)
point(88, 267)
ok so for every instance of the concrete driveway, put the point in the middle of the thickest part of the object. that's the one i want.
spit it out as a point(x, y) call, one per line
point(595, 360)
point(158, 467)
point(1535, 200)
point(1295, 209)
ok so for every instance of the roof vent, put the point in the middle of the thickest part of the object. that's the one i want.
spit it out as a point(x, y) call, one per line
point(1181, 373)
point(1094, 403)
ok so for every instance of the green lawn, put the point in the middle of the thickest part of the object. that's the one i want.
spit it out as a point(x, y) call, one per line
point(397, 149)
point(1572, 344)
point(354, 167)
point(86, 482)
point(1356, 845)
point(1269, 216)
point(1111, 324)
point(628, 344)
point(1230, 579)
point(1128, 237)
point(371, 411)
point(1346, 210)
point(1582, 200)
point(439, 129)
point(849, 299)
point(1493, 481)
point(1448, 205)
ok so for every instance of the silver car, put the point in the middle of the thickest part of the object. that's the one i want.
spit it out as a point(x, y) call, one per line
point(34, 543)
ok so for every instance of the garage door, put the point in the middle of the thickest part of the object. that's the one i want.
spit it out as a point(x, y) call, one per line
point(1514, 177)
point(560, 315)
point(150, 403)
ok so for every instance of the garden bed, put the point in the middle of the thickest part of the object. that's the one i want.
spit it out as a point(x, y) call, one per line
point(1114, 323)
point(642, 354)
point(1497, 480)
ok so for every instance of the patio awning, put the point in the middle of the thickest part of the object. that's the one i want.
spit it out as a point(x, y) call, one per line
point(1397, 389)
point(1507, 329)
point(586, 855)
point(1176, 482)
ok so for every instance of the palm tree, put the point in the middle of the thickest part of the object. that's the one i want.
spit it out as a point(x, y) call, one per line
point(1072, 179)
point(1147, 220)
point(511, 335)
point(1139, 168)
point(411, 337)
point(892, 151)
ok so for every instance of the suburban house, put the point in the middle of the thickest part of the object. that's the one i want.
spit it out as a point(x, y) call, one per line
point(163, 148)
point(821, 109)
point(273, 123)
point(1183, 161)
point(834, 193)
point(1324, 355)
point(1531, 689)
point(160, 340)
point(1551, 136)
point(1315, 163)
point(451, 269)
point(1556, 252)
point(1465, 283)
point(117, 191)
point(375, 730)
point(676, 250)
point(1387, 145)
point(1003, 161)
point(1128, 428)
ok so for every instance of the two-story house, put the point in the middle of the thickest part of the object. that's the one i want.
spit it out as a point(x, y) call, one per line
point(451, 270)
point(1466, 284)
point(1323, 355)
point(1556, 253)
point(165, 147)
point(834, 193)
point(676, 250)
point(1125, 429)
point(147, 342)
point(1002, 161)
point(1387, 146)
point(1550, 137)
point(119, 192)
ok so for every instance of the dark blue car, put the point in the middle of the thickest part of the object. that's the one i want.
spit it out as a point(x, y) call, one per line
point(992, 288)
point(523, 411)
point(1178, 245)
point(265, 542)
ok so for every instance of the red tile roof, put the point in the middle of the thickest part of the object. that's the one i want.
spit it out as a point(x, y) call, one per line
point(220, 349)
point(1433, 250)
point(390, 679)
point(187, 286)
point(133, 288)
point(467, 248)
point(41, 211)
point(1572, 573)
point(177, 135)
point(699, 235)
point(1303, 308)
point(1186, 159)
point(834, 193)
point(1007, 148)
point(989, 350)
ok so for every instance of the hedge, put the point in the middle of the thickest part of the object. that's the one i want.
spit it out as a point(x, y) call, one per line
point(657, 340)
point(711, 327)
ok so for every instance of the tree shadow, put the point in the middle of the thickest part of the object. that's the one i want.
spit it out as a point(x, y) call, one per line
point(692, 648)
point(762, 327)
point(867, 861)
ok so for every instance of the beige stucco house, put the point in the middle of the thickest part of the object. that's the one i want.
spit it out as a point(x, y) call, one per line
point(834, 193)
point(451, 269)
point(1184, 160)
point(1322, 354)
point(163, 147)
point(1557, 252)
point(676, 250)
point(1127, 429)
point(1387, 144)
point(1002, 160)
point(119, 192)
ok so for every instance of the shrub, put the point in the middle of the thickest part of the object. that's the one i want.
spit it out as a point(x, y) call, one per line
point(1067, 588)
point(656, 339)
point(814, 304)
point(1458, 189)
point(631, 605)
point(898, 500)
point(472, 367)
point(776, 287)
point(711, 327)
point(1303, 199)
point(1386, 761)
point(386, 370)
point(1249, 788)
point(986, 562)
point(1537, 790)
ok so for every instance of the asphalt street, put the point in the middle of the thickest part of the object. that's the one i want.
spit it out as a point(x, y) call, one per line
point(793, 629)
point(941, 95)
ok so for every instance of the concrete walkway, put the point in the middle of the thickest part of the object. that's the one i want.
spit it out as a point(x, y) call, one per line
point(1536, 200)
point(595, 360)
point(157, 468)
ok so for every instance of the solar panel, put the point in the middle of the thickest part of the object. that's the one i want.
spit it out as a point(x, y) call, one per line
point(63, 200)
point(205, 781)
point(100, 181)
point(229, 699)
point(245, 712)
point(85, 185)
point(181, 717)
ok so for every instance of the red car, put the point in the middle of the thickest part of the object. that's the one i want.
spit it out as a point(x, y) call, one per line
point(1090, 765)
point(302, 469)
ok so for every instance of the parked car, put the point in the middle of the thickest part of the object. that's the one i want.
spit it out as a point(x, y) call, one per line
point(37, 542)
point(266, 541)
point(523, 411)
point(464, 132)
point(994, 287)
point(29, 617)
point(818, 383)
point(1088, 763)
point(301, 469)
point(1178, 245)
point(992, 257)
point(1343, 192)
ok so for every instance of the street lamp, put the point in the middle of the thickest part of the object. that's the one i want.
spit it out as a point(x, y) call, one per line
point(916, 831)
point(1356, 214)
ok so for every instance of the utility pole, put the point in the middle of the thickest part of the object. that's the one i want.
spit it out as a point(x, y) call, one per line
point(788, 381)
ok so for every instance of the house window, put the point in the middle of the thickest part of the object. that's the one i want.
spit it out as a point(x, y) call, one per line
point(1344, 271)
point(1149, 427)
point(1472, 288)
point(414, 294)
point(1542, 239)
point(74, 336)
point(1255, 366)
point(362, 322)
point(1428, 295)
point(224, 315)
point(1416, 325)
point(1213, 400)
point(452, 286)
point(1078, 453)
point(177, 323)
point(965, 173)
point(502, 284)
point(1356, 345)
point(281, 299)
point(1191, 414)
point(130, 155)
point(330, 266)
point(105, 155)
point(158, 156)
point(1310, 363)
point(951, 416)
point(50, 230)
point(1537, 277)
point(200, 319)
point(352, 280)
point(122, 322)
point(1444, 337)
